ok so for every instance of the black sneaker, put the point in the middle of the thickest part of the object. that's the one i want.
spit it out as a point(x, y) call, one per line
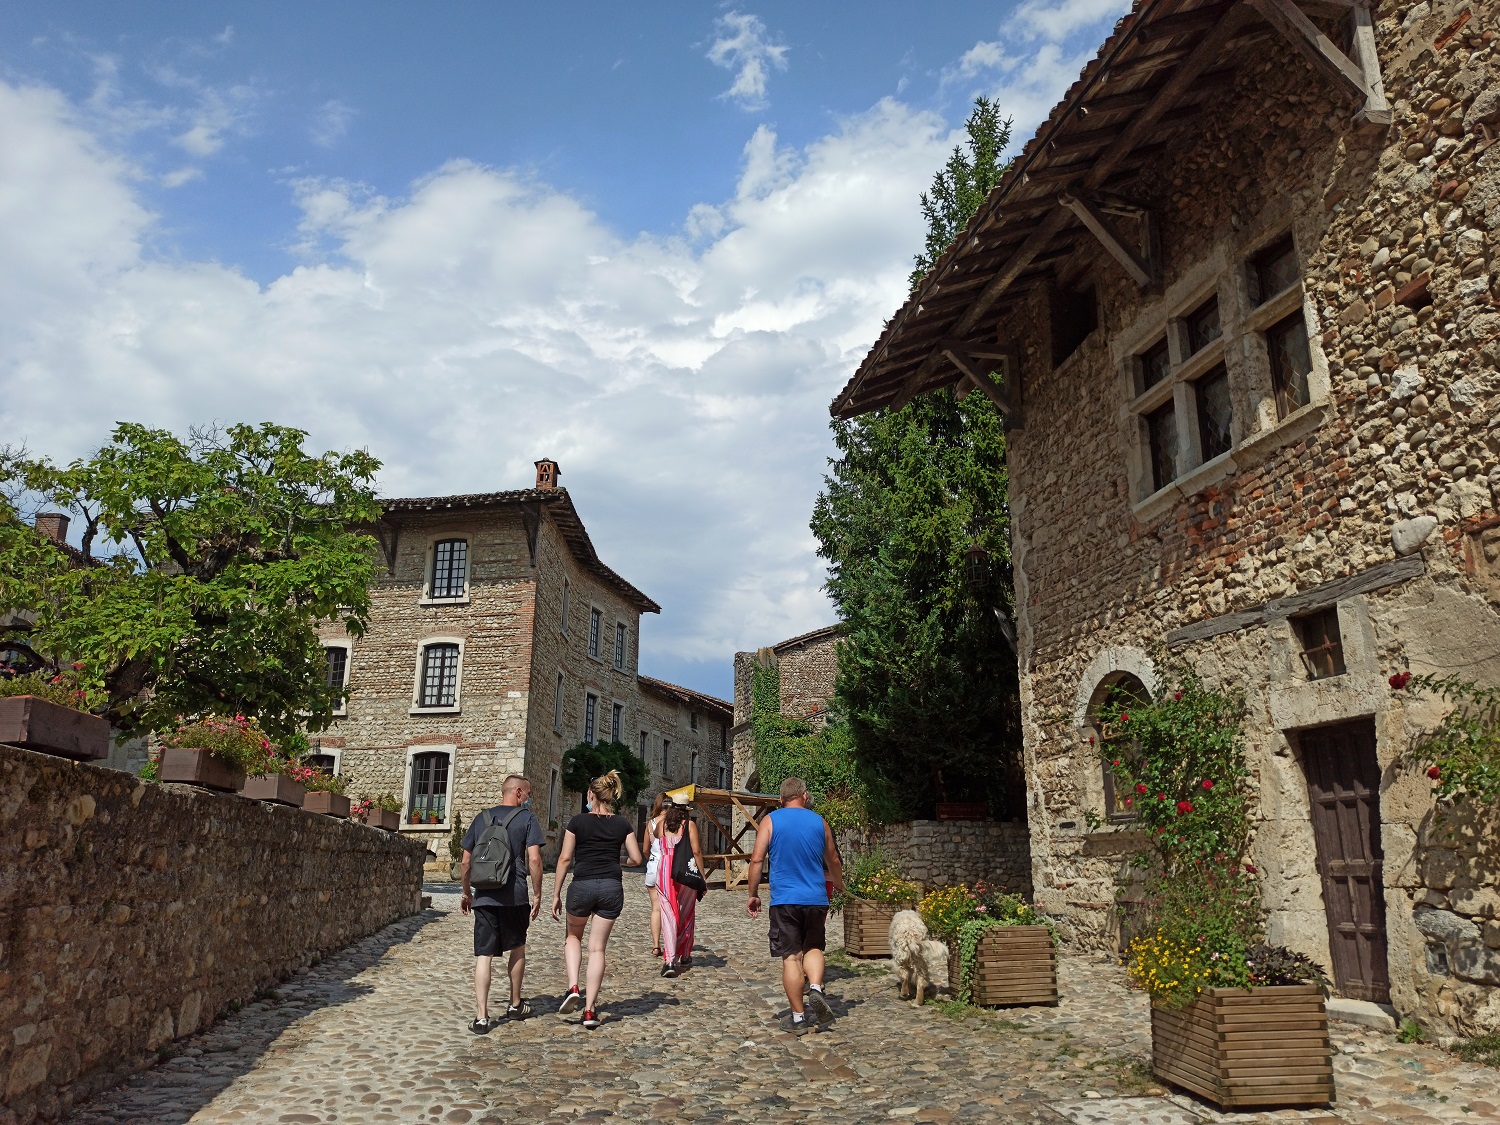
point(796, 1027)
point(686, 962)
point(571, 1002)
point(591, 1020)
point(483, 1025)
point(668, 970)
point(518, 1011)
point(818, 1007)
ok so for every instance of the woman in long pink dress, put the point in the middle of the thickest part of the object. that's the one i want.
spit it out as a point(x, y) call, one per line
point(679, 904)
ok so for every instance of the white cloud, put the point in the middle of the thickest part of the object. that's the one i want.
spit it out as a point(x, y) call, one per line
point(180, 176)
point(329, 123)
point(485, 319)
point(744, 47)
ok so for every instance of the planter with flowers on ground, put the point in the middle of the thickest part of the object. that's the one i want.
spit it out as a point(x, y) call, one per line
point(216, 752)
point(1234, 1020)
point(1002, 952)
point(874, 890)
point(46, 712)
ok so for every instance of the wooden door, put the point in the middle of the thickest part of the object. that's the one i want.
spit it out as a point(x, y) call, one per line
point(1343, 783)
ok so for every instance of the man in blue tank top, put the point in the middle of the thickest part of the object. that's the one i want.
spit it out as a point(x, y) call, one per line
point(804, 865)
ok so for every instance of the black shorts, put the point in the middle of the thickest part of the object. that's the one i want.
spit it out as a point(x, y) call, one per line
point(499, 928)
point(602, 897)
point(796, 929)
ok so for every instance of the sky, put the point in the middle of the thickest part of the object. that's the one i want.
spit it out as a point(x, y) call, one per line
point(650, 241)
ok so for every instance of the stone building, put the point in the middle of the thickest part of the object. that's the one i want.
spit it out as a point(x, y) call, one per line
point(1236, 301)
point(807, 666)
point(683, 737)
point(497, 640)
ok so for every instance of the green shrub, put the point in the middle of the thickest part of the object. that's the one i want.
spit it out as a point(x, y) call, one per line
point(589, 760)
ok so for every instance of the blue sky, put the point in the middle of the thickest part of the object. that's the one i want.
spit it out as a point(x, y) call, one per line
point(649, 240)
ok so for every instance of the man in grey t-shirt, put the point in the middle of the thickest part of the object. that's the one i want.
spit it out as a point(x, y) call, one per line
point(502, 914)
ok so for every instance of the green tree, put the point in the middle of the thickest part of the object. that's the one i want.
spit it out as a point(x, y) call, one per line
point(204, 569)
point(589, 760)
point(915, 525)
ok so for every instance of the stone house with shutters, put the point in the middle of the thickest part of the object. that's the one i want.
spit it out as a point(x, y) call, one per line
point(1236, 301)
point(498, 639)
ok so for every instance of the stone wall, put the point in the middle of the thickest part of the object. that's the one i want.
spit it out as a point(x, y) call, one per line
point(807, 666)
point(1392, 458)
point(944, 853)
point(137, 913)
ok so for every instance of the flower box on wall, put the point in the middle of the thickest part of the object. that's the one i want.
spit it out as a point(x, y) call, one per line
point(380, 818)
point(867, 928)
point(962, 810)
point(329, 804)
point(1241, 1048)
point(1013, 965)
point(37, 724)
point(275, 788)
point(190, 765)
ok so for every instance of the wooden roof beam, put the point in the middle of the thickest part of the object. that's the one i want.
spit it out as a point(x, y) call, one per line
point(1294, 26)
point(1143, 270)
point(976, 374)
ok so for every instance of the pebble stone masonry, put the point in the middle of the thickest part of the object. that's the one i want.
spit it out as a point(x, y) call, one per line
point(377, 1036)
point(135, 914)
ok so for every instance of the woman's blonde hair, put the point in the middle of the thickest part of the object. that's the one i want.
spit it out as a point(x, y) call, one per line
point(607, 789)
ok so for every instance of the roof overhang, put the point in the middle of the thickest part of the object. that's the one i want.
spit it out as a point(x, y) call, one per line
point(1153, 78)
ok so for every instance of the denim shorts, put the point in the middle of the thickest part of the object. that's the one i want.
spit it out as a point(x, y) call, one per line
point(604, 898)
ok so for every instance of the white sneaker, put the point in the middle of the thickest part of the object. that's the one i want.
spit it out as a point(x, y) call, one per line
point(571, 1002)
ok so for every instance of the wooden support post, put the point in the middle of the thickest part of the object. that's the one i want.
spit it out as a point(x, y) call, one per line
point(1139, 266)
point(1375, 115)
point(1304, 35)
point(976, 376)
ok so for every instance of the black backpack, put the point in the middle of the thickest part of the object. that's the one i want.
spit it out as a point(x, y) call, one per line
point(492, 862)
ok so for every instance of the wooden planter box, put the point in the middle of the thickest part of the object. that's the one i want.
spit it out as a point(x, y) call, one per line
point(867, 928)
point(275, 788)
point(1240, 1048)
point(1013, 965)
point(329, 804)
point(379, 818)
point(52, 728)
point(192, 766)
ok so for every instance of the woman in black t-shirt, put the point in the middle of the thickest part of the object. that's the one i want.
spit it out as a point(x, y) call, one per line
point(592, 841)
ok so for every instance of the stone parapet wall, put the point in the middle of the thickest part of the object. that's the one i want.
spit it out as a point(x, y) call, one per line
point(136, 913)
point(944, 853)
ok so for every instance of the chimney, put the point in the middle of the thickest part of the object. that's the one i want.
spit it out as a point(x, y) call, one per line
point(54, 525)
point(547, 473)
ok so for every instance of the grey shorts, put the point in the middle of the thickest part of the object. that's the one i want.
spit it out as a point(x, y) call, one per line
point(602, 897)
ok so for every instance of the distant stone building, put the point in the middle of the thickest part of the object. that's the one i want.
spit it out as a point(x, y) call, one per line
point(807, 666)
point(684, 737)
point(1237, 302)
point(497, 640)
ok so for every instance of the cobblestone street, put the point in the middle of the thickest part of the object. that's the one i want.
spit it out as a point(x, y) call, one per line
point(378, 1034)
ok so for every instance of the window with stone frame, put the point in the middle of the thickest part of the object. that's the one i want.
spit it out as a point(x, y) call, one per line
point(439, 682)
point(429, 787)
point(693, 768)
point(1124, 689)
point(1321, 642)
point(337, 673)
point(325, 762)
point(566, 598)
point(590, 717)
point(450, 569)
point(1184, 386)
point(620, 645)
point(666, 757)
point(1215, 413)
point(596, 619)
point(616, 722)
point(723, 776)
point(557, 704)
point(693, 720)
point(553, 787)
point(645, 744)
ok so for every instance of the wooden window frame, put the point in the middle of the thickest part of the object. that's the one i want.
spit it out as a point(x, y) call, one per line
point(596, 630)
point(416, 756)
point(1323, 660)
point(419, 693)
point(457, 546)
point(590, 716)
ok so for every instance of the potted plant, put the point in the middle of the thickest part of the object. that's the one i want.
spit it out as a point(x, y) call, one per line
point(325, 792)
point(434, 817)
point(1234, 1020)
point(215, 752)
point(874, 890)
point(1002, 952)
point(49, 712)
point(456, 847)
point(276, 786)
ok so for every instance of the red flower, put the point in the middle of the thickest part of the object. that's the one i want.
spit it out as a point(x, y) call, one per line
point(1115, 762)
point(1140, 787)
point(1177, 695)
point(1184, 807)
point(1129, 801)
point(1250, 867)
point(1161, 796)
point(78, 667)
point(1124, 717)
point(1434, 773)
point(1207, 784)
point(1399, 680)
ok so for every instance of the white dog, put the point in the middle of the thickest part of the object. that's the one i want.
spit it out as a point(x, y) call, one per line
point(922, 963)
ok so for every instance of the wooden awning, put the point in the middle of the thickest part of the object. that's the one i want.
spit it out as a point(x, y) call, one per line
point(1153, 78)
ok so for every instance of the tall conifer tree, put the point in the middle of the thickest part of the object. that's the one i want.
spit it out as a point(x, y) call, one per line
point(914, 523)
